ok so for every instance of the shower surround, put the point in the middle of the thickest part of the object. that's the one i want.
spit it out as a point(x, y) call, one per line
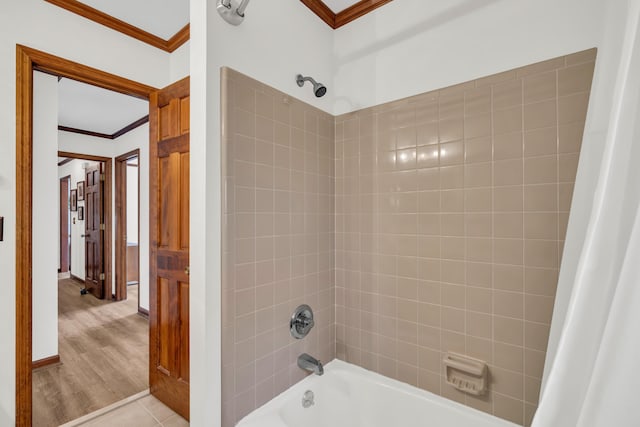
point(430, 224)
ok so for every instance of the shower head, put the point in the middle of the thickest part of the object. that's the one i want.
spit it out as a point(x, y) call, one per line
point(318, 88)
point(232, 11)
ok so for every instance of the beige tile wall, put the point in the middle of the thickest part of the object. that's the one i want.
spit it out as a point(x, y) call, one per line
point(451, 210)
point(450, 214)
point(278, 239)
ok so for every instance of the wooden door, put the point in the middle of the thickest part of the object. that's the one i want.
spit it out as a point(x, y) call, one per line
point(169, 246)
point(64, 224)
point(94, 231)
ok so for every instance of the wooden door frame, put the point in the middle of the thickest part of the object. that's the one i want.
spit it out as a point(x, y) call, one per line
point(28, 60)
point(121, 224)
point(64, 209)
point(108, 214)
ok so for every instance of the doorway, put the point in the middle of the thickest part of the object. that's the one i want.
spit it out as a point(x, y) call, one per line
point(169, 115)
point(64, 259)
point(29, 60)
point(127, 202)
point(90, 221)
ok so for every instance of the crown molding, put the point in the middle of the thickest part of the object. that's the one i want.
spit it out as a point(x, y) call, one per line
point(337, 20)
point(358, 10)
point(107, 20)
point(112, 136)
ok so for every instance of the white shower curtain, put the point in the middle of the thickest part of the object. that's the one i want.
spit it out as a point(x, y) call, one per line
point(593, 377)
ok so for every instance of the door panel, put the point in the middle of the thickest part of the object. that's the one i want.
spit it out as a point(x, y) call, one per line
point(184, 205)
point(183, 369)
point(164, 297)
point(184, 115)
point(94, 232)
point(169, 229)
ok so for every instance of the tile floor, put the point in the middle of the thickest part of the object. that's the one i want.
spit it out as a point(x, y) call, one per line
point(144, 412)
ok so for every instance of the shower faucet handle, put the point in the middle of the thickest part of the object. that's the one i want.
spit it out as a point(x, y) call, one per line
point(301, 321)
point(306, 323)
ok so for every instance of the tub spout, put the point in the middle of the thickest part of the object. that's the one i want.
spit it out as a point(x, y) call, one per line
point(311, 364)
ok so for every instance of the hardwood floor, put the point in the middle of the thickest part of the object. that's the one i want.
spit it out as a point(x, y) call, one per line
point(104, 354)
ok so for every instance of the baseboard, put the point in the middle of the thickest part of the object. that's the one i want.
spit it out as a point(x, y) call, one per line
point(143, 312)
point(77, 279)
point(45, 362)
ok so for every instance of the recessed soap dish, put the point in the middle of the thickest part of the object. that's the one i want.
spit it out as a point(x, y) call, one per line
point(466, 373)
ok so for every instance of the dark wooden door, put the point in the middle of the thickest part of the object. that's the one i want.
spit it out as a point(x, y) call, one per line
point(64, 225)
point(94, 231)
point(169, 246)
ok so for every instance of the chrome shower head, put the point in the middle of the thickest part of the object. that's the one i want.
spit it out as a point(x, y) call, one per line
point(232, 11)
point(318, 88)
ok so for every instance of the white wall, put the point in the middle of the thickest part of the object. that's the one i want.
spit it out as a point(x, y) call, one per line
point(412, 46)
point(84, 144)
point(46, 27)
point(205, 338)
point(277, 40)
point(45, 217)
point(132, 204)
point(179, 63)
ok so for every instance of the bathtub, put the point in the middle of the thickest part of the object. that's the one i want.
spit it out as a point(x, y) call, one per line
point(349, 396)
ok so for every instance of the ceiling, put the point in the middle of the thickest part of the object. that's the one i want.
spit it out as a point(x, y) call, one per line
point(165, 23)
point(92, 109)
point(336, 13)
point(338, 6)
point(162, 18)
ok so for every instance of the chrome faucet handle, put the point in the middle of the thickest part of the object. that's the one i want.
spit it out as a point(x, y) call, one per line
point(306, 323)
point(301, 321)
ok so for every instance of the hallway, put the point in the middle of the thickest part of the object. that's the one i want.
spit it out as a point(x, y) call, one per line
point(103, 348)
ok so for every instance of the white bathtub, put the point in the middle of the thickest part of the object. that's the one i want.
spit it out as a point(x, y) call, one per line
point(349, 396)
